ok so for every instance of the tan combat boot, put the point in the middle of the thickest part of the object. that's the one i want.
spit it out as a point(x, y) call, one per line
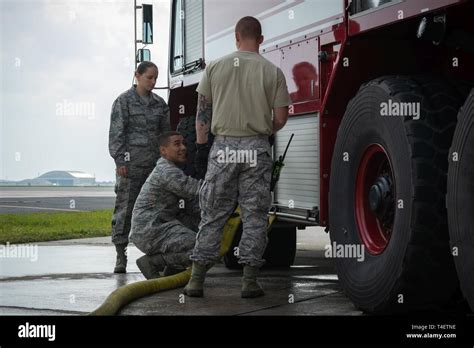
point(250, 287)
point(121, 261)
point(194, 288)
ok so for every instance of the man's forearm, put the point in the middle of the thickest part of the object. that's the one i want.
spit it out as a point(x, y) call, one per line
point(280, 117)
point(182, 185)
point(276, 126)
point(203, 119)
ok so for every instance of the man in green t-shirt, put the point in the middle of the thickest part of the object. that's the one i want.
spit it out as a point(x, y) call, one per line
point(242, 99)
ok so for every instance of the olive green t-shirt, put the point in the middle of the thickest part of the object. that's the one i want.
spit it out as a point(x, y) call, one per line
point(244, 87)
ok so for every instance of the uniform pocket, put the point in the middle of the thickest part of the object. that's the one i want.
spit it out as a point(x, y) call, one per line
point(137, 126)
point(265, 165)
point(136, 110)
point(215, 164)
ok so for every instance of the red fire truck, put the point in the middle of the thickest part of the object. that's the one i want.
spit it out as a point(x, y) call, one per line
point(383, 152)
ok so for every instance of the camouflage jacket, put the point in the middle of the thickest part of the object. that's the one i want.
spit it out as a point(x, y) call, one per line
point(135, 127)
point(168, 194)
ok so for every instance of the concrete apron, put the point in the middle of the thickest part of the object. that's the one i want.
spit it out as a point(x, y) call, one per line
point(74, 277)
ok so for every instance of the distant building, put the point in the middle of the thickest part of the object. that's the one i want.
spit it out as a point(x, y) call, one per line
point(67, 178)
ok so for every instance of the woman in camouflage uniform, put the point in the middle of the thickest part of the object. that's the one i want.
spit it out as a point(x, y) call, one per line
point(138, 117)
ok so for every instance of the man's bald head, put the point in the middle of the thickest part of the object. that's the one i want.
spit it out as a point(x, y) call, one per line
point(249, 28)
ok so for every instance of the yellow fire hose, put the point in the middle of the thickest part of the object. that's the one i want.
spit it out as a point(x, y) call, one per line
point(128, 293)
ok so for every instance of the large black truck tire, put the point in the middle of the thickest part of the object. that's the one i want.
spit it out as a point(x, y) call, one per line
point(460, 198)
point(387, 209)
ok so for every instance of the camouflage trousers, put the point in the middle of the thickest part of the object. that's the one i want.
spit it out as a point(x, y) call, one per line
point(174, 239)
point(233, 178)
point(127, 190)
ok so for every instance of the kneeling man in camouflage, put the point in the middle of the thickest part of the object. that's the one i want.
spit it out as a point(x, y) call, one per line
point(166, 215)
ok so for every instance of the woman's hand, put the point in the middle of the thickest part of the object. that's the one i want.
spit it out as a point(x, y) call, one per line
point(122, 171)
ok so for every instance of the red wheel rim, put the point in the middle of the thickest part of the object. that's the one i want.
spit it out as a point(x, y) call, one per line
point(374, 199)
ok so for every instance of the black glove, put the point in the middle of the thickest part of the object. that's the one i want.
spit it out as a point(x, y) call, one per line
point(271, 139)
point(200, 160)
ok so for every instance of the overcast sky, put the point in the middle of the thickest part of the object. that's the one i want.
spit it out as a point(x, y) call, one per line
point(63, 63)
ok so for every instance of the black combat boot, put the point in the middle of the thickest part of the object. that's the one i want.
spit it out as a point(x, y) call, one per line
point(151, 265)
point(121, 262)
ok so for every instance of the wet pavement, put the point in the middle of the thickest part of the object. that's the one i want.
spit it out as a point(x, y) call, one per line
point(74, 277)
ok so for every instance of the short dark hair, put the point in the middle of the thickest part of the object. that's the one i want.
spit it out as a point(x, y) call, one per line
point(164, 138)
point(143, 66)
point(249, 28)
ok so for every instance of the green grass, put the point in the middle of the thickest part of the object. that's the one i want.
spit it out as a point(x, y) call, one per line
point(41, 227)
